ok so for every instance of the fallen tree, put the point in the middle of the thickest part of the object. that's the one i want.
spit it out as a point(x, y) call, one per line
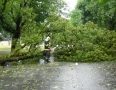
point(15, 57)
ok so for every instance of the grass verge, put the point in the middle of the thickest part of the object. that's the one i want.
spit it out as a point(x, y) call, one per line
point(2, 48)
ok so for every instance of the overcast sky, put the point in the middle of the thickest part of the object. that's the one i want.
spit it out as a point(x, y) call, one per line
point(71, 4)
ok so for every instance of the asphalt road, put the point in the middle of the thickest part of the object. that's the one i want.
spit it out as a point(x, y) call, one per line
point(59, 76)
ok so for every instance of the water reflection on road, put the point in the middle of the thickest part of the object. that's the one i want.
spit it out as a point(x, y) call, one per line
point(59, 76)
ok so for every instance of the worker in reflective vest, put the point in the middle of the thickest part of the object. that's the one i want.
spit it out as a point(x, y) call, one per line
point(47, 49)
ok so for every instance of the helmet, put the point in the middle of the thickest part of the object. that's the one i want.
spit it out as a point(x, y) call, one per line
point(47, 39)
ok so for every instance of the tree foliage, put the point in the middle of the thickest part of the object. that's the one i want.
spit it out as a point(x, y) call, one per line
point(87, 43)
point(102, 12)
point(29, 22)
point(23, 18)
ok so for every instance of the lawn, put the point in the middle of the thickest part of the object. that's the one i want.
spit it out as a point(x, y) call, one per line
point(2, 48)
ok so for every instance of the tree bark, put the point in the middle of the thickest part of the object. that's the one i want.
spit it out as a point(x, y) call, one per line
point(16, 34)
point(13, 58)
point(15, 38)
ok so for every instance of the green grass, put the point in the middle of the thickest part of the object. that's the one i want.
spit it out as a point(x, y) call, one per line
point(2, 48)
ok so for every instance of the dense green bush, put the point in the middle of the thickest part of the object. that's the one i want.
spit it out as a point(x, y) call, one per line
point(87, 43)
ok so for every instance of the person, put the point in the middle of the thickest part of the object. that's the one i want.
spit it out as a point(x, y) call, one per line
point(47, 49)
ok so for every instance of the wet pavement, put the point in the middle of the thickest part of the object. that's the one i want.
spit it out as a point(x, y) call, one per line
point(59, 76)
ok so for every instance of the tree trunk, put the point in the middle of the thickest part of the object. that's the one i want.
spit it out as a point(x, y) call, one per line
point(15, 38)
point(16, 34)
point(13, 58)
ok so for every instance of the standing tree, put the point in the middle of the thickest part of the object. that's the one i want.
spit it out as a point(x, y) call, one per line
point(17, 17)
point(100, 12)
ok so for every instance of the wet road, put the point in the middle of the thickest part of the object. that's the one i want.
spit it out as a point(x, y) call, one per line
point(59, 76)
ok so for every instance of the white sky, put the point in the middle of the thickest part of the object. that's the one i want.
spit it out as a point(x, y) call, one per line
point(71, 4)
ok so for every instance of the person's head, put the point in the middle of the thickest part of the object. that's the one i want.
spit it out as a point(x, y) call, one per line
point(47, 39)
